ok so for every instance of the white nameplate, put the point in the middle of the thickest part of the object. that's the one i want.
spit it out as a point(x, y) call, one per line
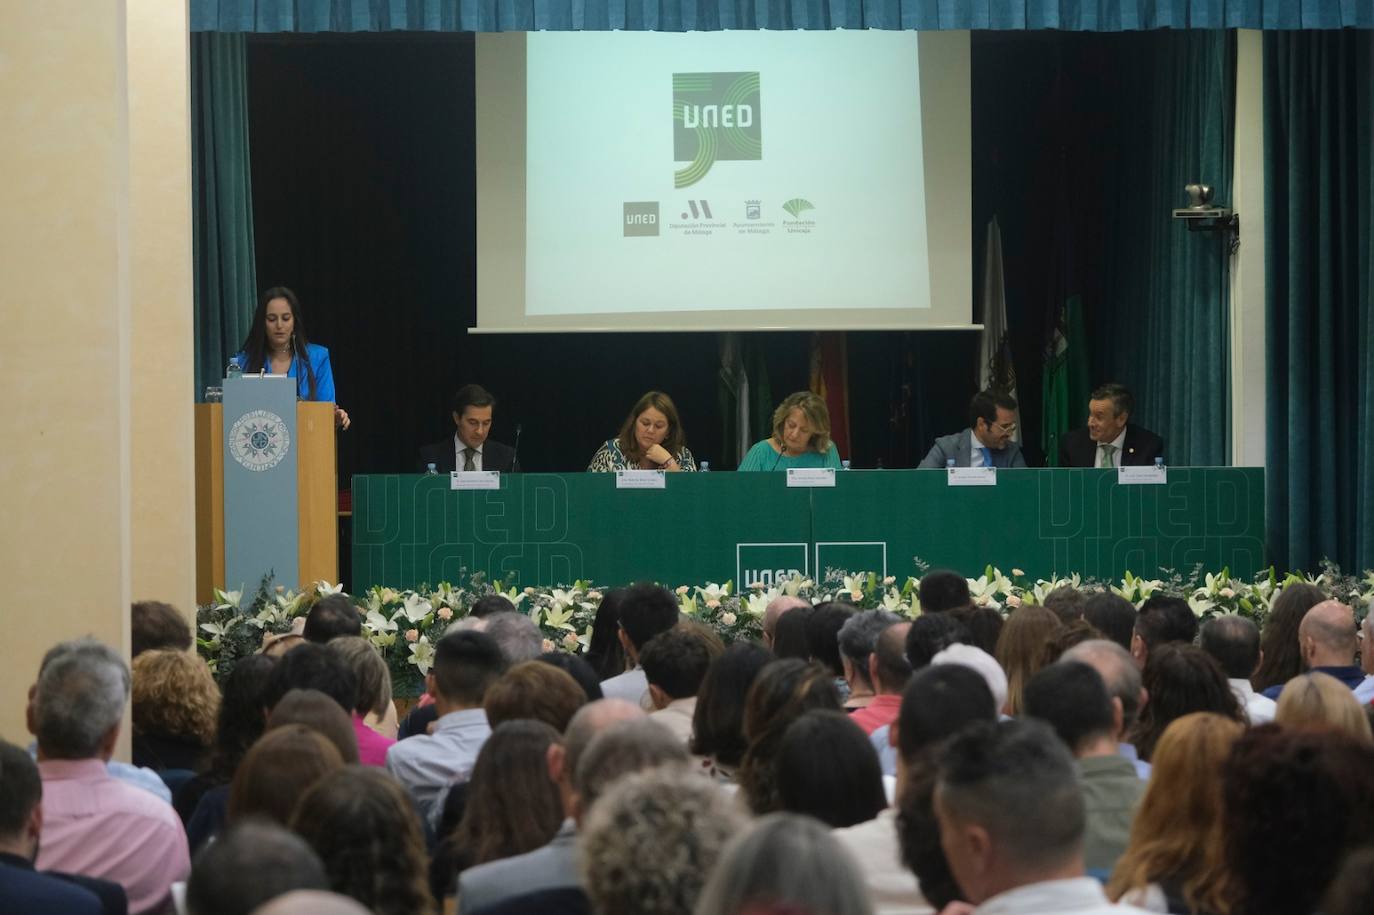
point(972, 476)
point(641, 479)
point(1142, 476)
point(810, 476)
point(474, 479)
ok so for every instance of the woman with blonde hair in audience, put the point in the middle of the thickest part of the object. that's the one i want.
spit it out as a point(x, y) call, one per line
point(174, 709)
point(1320, 700)
point(1021, 648)
point(1175, 861)
point(374, 696)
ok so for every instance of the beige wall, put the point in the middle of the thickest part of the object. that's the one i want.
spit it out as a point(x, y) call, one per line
point(1248, 368)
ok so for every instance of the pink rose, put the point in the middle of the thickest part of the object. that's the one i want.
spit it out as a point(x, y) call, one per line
point(412, 635)
point(445, 613)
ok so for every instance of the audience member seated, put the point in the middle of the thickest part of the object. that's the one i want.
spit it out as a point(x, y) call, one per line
point(789, 639)
point(506, 884)
point(534, 690)
point(320, 713)
point(940, 701)
point(361, 824)
point(515, 633)
point(1067, 602)
point(248, 865)
point(942, 590)
point(983, 626)
point(675, 663)
point(1118, 670)
point(1180, 679)
point(605, 653)
point(1072, 698)
point(1021, 649)
point(774, 612)
point(1327, 643)
point(312, 666)
point(981, 663)
point(23, 890)
point(823, 639)
point(1295, 802)
point(1234, 643)
point(826, 768)
point(466, 664)
point(648, 845)
point(1011, 822)
point(512, 807)
point(575, 667)
point(490, 604)
point(92, 822)
point(785, 863)
point(279, 768)
point(645, 611)
point(332, 616)
point(718, 719)
point(1112, 615)
point(174, 707)
point(1070, 634)
point(888, 671)
point(927, 636)
point(1162, 620)
point(374, 696)
point(1364, 693)
point(857, 640)
point(1280, 654)
point(783, 691)
point(1175, 859)
point(1317, 700)
point(1352, 890)
point(154, 625)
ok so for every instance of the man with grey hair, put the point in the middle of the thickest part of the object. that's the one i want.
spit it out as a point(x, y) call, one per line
point(774, 611)
point(553, 867)
point(1012, 819)
point(888, 671)
point(94, 824)
point(517, 634)
point(857, 638)
point(1234, 643)
point(1119, 671)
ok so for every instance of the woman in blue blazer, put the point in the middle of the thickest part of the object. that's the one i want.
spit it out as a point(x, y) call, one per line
point(275, 344)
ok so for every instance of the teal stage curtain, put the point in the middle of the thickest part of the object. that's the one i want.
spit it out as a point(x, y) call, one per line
point(1162, 327)
point(222, 210)
point(1319, 197)
point(704, 15)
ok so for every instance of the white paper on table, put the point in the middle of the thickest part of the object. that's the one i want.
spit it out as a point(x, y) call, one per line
point(972, 476)
point(1142, 476)
point(641, 479)
point(474, 479)
point(810, 476)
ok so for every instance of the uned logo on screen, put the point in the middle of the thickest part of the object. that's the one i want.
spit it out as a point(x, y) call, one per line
point(641, 218)
point(717, 117)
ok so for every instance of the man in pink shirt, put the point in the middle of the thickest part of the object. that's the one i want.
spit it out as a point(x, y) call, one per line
point(94, 824)
point(889, 672)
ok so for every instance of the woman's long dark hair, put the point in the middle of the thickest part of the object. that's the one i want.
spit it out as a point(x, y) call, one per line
point(255, 346)
point(673, 442)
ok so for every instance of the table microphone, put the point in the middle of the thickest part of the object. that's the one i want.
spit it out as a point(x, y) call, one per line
point(515, 451)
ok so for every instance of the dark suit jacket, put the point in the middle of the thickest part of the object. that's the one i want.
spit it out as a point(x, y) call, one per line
point(25, 891)
point(1139, 449)
point(495, 456)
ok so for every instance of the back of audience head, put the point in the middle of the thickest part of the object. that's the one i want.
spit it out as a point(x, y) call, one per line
point(983, 625)
point(241, 718)
point(577, 668)
point(320, 713)
point(315, 902)
point(1009, 806)
point(781, 693)
point(1234, 643)
point(1072, 698)
point(1282, 656)
point(1119, 672)
point(1067, 602)
point(1294, 802)
point(466, 664)
point(490, 604)
point(277, 770)
point(153, 625)
point(888, 666)
point(981, 663)
point(332, 616)
point(941, 590)
point(79, 699)
point(1180, 679)
point(617, 751)
point(775, 610)
point(534, 690)
point(1163, 619)
point(646, 610)
point(590, 720)
point(1327, 635)
point(650, 843)
point(930, 634)
point(1113, 615)
point(709, 638)
point(516, 634)
point(1070, 634)
point(312, 666)
point(21, 791)
point(174, 695)
point(823, 633)
point(785, 863)
point(605, 653)
point(789, 638)
point(1352, 890)
point(1319, 700)
point(360, 821)
point(370, 671)
point(939, 701)
point(718, 721)
point(675, 663)
point(828, 769)
point(858, 641)
point(1021, 648)
point(249, 864)
point(1177, 831)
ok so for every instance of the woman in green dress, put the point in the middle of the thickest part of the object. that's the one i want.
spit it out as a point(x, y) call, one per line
point(801, 437)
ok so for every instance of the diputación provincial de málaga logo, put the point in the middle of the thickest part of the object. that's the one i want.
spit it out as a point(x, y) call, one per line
point(259, 440)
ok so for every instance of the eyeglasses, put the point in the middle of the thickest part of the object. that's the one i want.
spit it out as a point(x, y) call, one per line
point(1008, 428)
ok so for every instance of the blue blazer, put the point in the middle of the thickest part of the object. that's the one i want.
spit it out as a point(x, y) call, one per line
point(28, 892)
point(319, 362)
point(959, 445)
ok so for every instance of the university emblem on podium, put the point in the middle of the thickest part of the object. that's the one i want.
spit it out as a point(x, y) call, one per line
point(259, 439)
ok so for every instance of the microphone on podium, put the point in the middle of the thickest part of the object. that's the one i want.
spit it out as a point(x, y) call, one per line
point(515, 451)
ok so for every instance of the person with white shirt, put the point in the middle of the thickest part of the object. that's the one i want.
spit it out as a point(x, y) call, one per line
point(1234, 642)
point(987, 442)
point(1110, 439)
point(469, 448)
point(675, 662)
point(646, 610)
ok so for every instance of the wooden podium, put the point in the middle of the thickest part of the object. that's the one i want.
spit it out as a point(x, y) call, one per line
point(317, 497)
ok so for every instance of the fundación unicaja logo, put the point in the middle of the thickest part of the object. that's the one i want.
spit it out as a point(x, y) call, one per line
point(716, 118)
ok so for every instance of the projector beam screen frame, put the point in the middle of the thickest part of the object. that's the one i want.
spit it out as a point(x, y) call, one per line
point(946, 167)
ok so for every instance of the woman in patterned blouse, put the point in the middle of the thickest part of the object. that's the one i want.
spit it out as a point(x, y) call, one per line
point(651, 439)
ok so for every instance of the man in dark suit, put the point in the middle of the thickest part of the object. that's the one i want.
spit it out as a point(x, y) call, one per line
point(987, 441)
point(469, 447)
point(1111, 439)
